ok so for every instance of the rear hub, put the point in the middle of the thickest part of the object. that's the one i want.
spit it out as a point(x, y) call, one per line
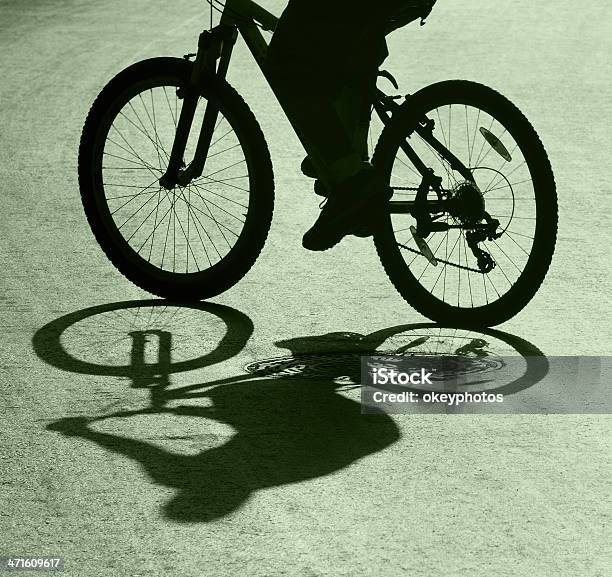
point(466, 202)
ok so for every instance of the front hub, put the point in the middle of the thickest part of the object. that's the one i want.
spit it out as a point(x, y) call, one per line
point(167, 182)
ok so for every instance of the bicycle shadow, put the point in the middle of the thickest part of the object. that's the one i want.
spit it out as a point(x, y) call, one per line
point(288, 428)
point(286, 433)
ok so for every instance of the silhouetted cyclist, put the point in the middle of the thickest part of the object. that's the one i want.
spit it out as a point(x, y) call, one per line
point(324, 58)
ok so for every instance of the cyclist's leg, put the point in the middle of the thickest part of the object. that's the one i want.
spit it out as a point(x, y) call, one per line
point(354, 102)
point(323, 59)
point(321, 52)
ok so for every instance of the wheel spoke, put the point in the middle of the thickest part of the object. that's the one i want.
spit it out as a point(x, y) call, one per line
point(509, 194)
point(185, 229)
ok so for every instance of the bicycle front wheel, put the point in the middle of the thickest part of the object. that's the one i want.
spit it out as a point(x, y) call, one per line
point(511, 178)
point(193, 241)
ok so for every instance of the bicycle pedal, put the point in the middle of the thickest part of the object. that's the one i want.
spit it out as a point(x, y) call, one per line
point(423, 247)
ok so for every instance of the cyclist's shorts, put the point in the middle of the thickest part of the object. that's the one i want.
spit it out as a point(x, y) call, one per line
point(330, 40)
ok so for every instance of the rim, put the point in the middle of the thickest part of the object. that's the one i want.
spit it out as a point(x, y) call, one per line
point(494, 155)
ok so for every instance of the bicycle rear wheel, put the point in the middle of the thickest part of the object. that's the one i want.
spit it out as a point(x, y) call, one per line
point(513, 178)
point(191, 242)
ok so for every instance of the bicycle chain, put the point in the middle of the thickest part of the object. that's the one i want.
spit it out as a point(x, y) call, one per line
point(440, 259)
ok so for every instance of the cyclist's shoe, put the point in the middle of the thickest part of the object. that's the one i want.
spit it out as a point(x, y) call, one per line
point(356, 207)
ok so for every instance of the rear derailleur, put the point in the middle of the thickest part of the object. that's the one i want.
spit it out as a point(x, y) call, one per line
point(487, 232)
point(465, 204)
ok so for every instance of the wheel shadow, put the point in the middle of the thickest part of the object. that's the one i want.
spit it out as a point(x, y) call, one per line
point(292, 416)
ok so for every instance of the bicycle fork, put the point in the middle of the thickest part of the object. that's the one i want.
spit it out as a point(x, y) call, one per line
point(212, 46)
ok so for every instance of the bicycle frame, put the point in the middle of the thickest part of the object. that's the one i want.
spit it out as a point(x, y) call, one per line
point(238, 16)
point(247, 18)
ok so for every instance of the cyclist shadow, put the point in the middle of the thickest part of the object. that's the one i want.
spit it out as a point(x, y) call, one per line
point(287, 431)
point(291, 419)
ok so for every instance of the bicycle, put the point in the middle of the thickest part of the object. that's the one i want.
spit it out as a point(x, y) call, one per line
point(482, 217)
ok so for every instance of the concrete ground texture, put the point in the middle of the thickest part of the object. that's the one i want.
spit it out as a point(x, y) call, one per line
point(249, 474)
